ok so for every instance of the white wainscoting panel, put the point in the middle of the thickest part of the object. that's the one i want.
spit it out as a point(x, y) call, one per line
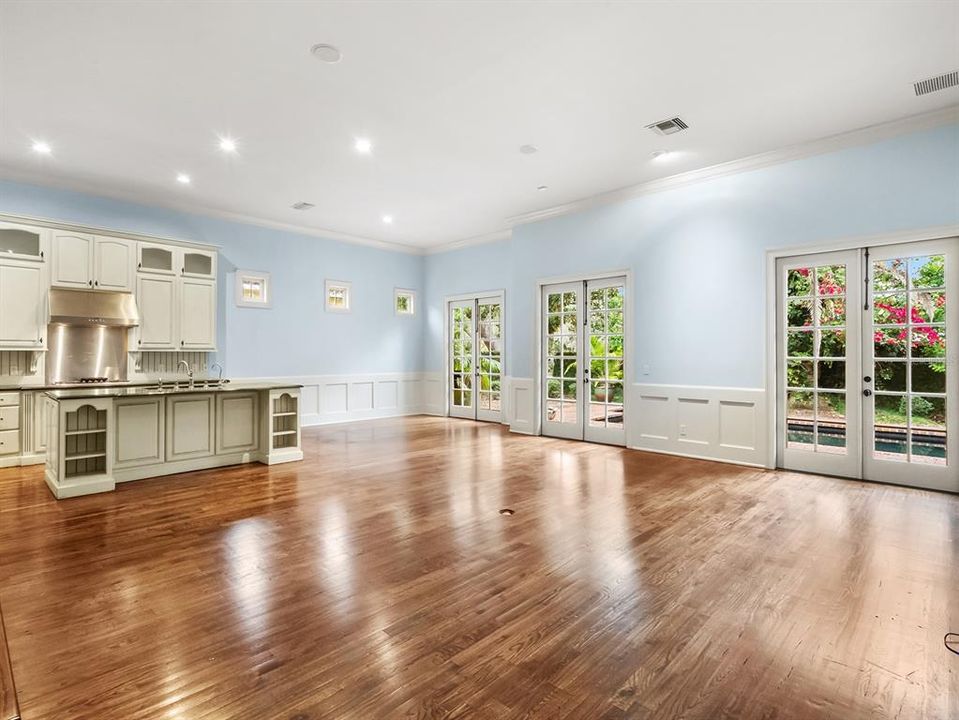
point(434, 393)
point(521, 405)
point(326, 399)
point(725, 424)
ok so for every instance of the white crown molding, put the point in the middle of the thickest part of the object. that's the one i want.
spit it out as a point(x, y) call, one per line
point(852, 138)
point(484, 239)
point(33, 178)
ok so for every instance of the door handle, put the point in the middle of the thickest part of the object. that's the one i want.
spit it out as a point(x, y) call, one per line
point(867, 393)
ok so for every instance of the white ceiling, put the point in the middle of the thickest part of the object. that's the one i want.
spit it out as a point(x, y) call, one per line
point(129, 94)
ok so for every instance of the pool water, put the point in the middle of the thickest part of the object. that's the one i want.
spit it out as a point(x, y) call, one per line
point(931, 446)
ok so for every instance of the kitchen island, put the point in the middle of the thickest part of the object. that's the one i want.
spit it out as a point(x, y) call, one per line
point(99, 436)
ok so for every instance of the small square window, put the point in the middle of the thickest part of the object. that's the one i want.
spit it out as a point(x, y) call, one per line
point(337, 296)
point(404, 301)
point(253, 289)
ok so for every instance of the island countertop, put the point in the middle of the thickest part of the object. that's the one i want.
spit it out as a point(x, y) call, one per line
point(94, 391)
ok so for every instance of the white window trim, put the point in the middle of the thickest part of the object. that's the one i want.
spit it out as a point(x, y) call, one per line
point(404, 291)
point(263, 277)
point(349, 296)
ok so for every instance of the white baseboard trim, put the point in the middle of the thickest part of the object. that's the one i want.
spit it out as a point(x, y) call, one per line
point(328, 399)
point(708, 423)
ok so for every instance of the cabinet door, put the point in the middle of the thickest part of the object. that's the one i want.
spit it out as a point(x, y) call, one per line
point(198, 263)
point(140, 431)
point(22, 241)
point(197, 314)
point(72, 260)
point(237, 422)
point(154, 258)
point(112, 264)
point(189, 427)
point(156, 301)
point(21, 301)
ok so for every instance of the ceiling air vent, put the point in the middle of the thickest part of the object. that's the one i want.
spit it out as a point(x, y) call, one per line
point(302, 206)
point(935, 84)
point(668, 127)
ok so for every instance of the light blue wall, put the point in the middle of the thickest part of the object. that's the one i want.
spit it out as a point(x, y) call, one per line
point(296, 336)
point(697, 253)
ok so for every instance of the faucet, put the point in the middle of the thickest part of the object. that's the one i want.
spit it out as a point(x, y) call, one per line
point(219, 377)
point(189, 372)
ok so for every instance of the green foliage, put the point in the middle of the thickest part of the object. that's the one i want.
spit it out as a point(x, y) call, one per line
point(920, 407)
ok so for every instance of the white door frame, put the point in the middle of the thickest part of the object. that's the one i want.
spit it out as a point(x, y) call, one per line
point(939, 232)
point(538, 369)
point(447, 370)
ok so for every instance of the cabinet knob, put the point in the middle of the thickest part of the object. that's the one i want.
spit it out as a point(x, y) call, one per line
point(96, 282)
point(90, 283)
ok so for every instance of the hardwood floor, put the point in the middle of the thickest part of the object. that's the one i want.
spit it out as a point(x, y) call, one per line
point(377, 579)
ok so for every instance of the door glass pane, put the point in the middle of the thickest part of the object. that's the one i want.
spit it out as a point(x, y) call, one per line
point(561, 367)
point(605, 347)
point(489, 333)
point(461, 356)
point(815, 361)
point(909, 345)
point(831, 422)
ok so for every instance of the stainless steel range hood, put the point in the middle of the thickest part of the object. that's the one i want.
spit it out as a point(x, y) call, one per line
point(93, 307)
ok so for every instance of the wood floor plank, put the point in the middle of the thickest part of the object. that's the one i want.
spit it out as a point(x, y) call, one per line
point(8, 693)
point(378, 579)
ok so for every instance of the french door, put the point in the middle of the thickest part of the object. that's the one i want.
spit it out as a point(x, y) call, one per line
point(476, 358)
point(583, 370)
point(867, 384)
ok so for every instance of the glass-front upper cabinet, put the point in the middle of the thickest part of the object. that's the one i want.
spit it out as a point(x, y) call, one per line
point(162, 259)
point(198, 263)
point(22, 241)
point(153, 258)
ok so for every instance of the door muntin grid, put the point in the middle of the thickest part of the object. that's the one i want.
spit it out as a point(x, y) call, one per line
point(605, 368)
point(816, 357)
point(489, 355)
point(909, 368)
point(562, 358)
point(461, 356)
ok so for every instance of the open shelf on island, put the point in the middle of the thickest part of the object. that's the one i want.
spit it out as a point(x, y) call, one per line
point(285, 422)
point(85, 442)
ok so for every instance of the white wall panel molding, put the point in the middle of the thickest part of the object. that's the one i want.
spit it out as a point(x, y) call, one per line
point(715, 423)
point(327, 399)
point(520, 405)
point(434, 393)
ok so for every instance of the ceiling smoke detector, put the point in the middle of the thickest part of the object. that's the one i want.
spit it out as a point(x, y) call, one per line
point(668, 127)
point(935, 84)
point(302, 206)
point(327, 53)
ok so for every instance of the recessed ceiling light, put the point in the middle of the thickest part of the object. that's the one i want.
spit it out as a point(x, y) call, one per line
point(363, 145)
point(528, 149)
point(387, 219)
point(41, 148)
point(542, 187)
point(227, 144)
point(183, 178)
point(326, 53)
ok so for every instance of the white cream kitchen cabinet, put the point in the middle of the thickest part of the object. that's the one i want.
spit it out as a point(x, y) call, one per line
point(94, 262)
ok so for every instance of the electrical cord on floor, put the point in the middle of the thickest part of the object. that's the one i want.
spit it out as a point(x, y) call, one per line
point(955, 641)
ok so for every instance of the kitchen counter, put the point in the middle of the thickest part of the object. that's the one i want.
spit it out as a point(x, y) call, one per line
point(121, 391)
point(99, 436)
